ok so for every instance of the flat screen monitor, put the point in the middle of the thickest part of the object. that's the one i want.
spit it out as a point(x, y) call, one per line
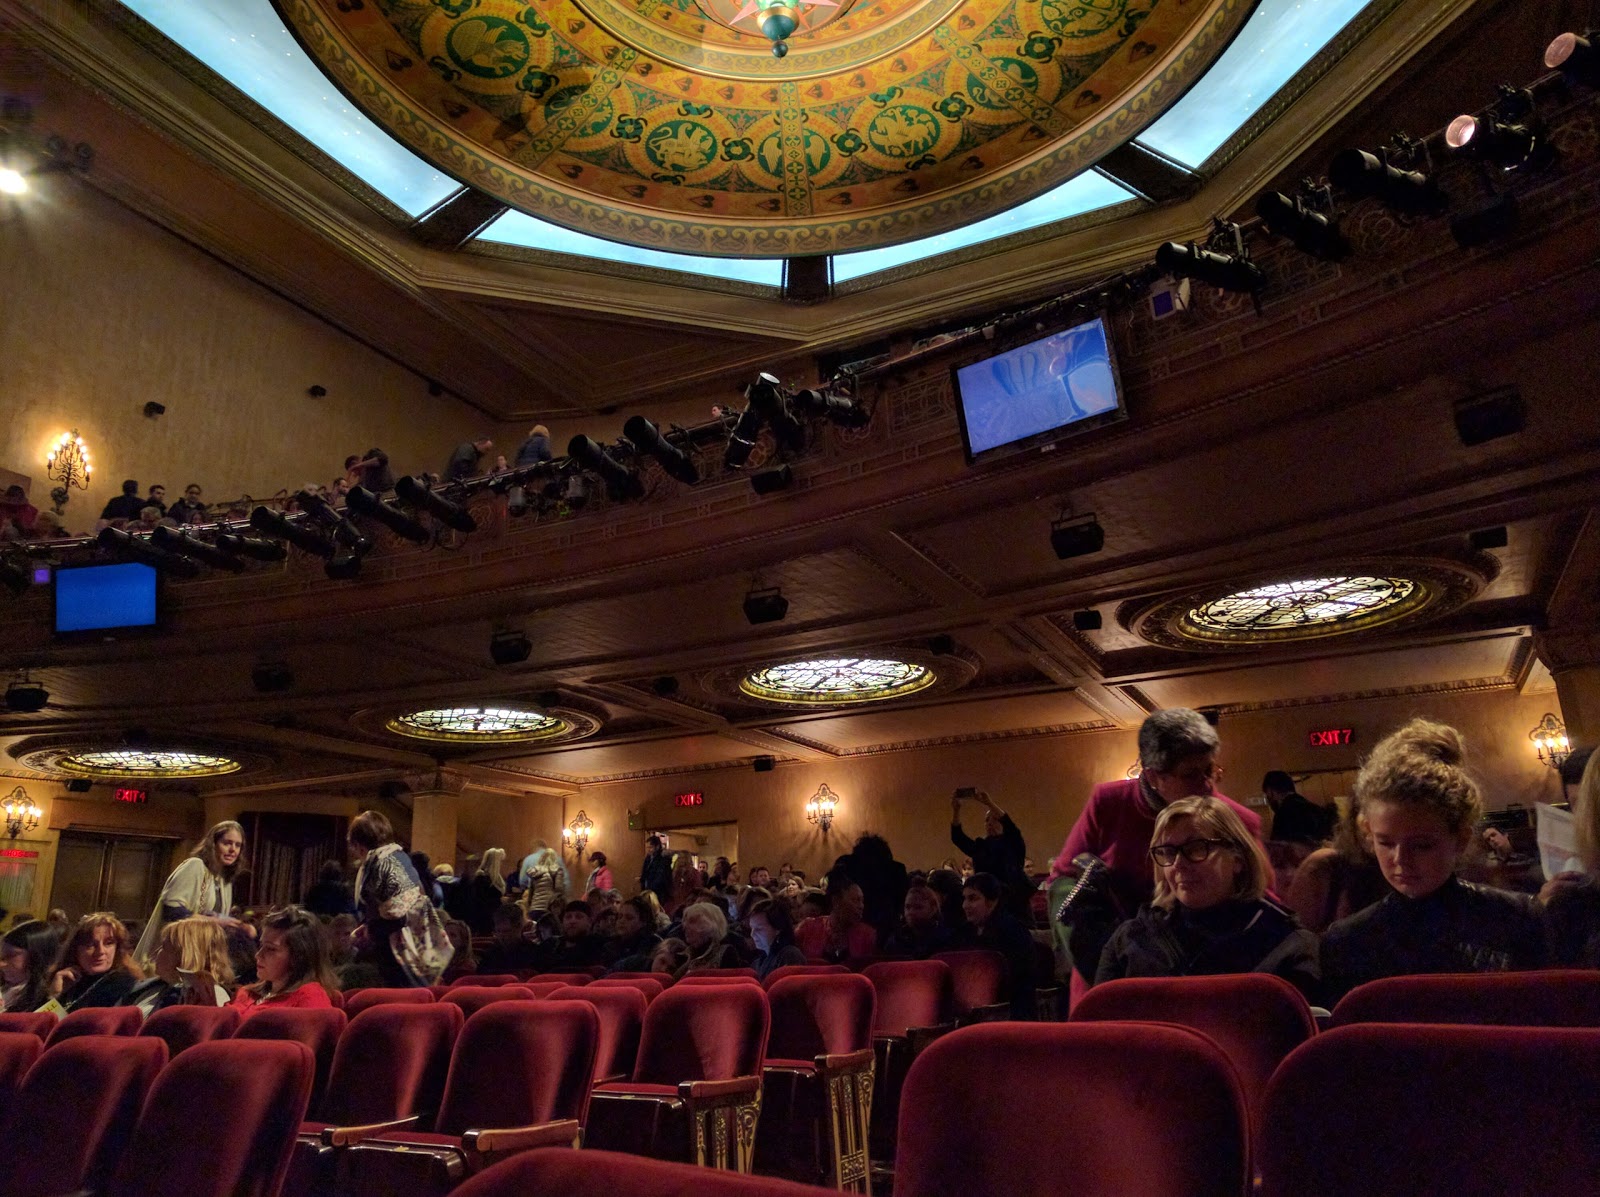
point(101, 598)
point(1031, 395)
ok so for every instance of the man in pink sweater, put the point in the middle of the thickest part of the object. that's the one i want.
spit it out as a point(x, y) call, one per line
point(1178, 759)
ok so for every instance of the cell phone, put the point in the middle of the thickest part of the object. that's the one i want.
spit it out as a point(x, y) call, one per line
point(967, 792)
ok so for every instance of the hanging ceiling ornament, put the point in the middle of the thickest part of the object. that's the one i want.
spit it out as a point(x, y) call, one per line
point(778, 20)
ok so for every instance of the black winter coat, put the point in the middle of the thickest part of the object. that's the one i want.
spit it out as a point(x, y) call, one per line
point(1235, 937)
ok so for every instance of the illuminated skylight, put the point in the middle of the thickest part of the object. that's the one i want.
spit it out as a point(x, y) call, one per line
point(518, 228)
point(246, 43)
point(1279, 39)
point(1087, 192)
point(478, 724)
point(146, 762)
point(1314, 601)
point(837, 680)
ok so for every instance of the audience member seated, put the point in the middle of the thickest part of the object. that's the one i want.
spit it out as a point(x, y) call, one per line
point(17, 516)
point(760, 878)
point(990, 927)
point(882, 878)
point(463, 963)
point(772, 932)
point(842, 934)
point(577, 947)
point(157, 498)
point(636, 938)
point(722, 880)
point(96, 965)
point(125, 506)
point(1572, 900)
point(292, 964)
point(329, 894)
point(400, 933)
point(1337, 881)
point(922, 931)
point(189, 509)
point(27, 955)
point(191, 968)
point(1295, 818)
point(705, 931)
point(1001, 852)
point(511, 951)
point(1210, 913)
point(669, 957)
point(1418, 806)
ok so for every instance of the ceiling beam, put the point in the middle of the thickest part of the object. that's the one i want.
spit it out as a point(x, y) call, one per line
point(458, 219)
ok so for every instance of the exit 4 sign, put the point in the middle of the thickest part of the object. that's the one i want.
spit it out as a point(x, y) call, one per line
point(1331, 737)
point(693, 798)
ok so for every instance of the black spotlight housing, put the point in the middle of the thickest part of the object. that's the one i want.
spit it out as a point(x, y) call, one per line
point(250, 546)
point(419, 496)
point(279, 526)
point(136, 548)
point(1312, 232)
point(26, 697)
point(839, 409)
point(338, 524)
point(509, 647)
point(621, 482)
point(1506, 135)
point(343, 567)
point(765, 397)
point(1369, 176)
point(742, 439)
point(1576, 56)
point(1488, 221)
point(173, 541)
point(1226, 272)
point(765, 606)
point(1077, 536)
point(771, 481)
point(366, 503)
point(649, 440)
point(272, 677)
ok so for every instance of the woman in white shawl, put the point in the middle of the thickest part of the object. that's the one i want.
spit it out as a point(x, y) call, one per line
point(202, 886)
point(400, 932)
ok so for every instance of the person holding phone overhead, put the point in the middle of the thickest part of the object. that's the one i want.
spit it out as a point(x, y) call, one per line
point(999, 853)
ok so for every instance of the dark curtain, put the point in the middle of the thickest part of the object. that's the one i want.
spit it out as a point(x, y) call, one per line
point(285, 852)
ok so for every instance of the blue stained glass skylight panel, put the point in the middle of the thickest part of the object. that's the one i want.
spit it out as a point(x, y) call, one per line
point(1276, 42)
point(518, 228)
point(246, 43)
point(1087, 192)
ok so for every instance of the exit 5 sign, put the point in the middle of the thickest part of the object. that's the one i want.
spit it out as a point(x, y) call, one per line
point(1331, 737)
point(693, 798)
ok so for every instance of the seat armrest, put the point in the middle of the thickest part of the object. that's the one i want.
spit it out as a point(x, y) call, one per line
point(613, 1078)
point(565, 1133)
point(994, 1012)
point(344, 1136)
point(846, 1062)
point(734, 1091)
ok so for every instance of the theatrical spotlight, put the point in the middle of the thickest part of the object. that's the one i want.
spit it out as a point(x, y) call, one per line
point(1307, 220)
point(1231, 271)
point(621, 482)
point(15, 577)
point(345, 567)
point(840, 409)
point(184, 545)
point(134, 548)
point(338, 524)
point(765, 397)
point(648, 439)
point(742, 439)
point(513, 484)
point(1505, 134)
point(249, 546)
point(364, 502)
point(1373, 176)
point(765, 606)
point(1576, 56)
point(280, 527)
point(419, 496)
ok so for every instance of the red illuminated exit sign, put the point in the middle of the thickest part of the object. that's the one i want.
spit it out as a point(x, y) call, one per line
point(128, 794)
point(1331, 737)
point(695, 798)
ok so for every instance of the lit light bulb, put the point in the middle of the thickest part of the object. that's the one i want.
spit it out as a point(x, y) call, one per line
point(12, 182)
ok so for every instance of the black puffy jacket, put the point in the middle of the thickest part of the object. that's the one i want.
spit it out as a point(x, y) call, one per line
point(1234, 937)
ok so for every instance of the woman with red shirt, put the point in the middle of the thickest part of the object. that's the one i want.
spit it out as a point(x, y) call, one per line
point(292, 964)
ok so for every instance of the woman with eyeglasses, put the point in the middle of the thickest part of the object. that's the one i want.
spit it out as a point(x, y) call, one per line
point(1178, 752)
point(1210, 914)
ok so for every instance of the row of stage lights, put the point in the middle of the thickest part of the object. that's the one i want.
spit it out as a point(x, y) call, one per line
point(1507, 138)
point(420, 510)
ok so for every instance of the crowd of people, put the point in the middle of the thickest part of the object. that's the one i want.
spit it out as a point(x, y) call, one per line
point(1161, 875)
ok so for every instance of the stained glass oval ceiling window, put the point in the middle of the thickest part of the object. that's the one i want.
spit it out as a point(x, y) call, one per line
point(147, 762)
point(838, 680)
point(1310, 602)
point(479, 724)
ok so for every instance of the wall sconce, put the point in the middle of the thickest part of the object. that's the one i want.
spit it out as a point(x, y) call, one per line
point(67, 464)
point(1550, 741)
point(821, 806)
point(22, 813)
point(576, 833)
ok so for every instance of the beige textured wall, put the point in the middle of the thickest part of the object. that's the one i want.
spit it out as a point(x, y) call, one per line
point(101, 311)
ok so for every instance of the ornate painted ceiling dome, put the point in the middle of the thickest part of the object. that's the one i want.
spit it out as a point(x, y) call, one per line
point(644, 121)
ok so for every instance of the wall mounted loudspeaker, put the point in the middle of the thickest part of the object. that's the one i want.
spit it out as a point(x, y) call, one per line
point(1490, 416)
point(764, 764)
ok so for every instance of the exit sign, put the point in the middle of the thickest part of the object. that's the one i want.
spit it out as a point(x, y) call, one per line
point(694, 798)
point(127, 794)
point(18, 854)
point(1331, 737)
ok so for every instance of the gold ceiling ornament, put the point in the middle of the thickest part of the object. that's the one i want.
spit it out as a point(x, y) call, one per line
point(670, 125)
point(844, 677)
point(551, 719)
point(1336, 600)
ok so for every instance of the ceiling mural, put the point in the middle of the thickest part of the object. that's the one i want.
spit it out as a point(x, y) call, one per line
point(645, 122)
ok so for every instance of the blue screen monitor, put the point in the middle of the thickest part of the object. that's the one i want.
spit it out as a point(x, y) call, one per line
point(99, 598)
point(1029, 396)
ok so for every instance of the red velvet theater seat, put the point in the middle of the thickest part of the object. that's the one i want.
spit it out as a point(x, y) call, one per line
point(18, 1051)
point(358, 1000)
point(801, 970)
point(1111, 1109)
point(563, 978)
point(621, 1013)
point(980, 983)
point(181, 1027)
point(489, 979)
point(914, 1007)
point(557, 1173)
point(1553, 998)
point(1379, 1109)
point(651, 988)
point(106, 1020)
point(472, 998)
point(75, 1113)
point(318, 1029)
point(219, 1122)
point(39, 1023)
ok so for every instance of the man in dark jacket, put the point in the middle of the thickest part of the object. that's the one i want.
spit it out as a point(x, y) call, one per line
point(125, 506)
point(463, 462)
point(656, 873)
point(1000, 853)
point(1295, 818)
